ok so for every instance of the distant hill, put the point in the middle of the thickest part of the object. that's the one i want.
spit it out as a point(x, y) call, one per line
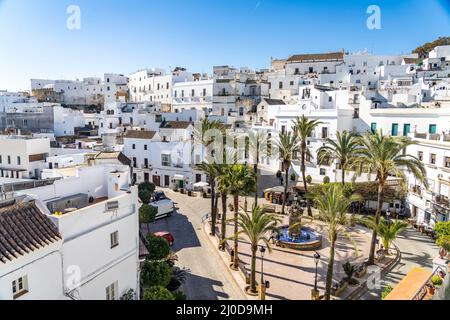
point(427, 47)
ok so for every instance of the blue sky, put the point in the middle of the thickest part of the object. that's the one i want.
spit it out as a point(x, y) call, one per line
point(123, 36)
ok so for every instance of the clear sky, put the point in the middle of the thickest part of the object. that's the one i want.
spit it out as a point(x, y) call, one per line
point(123, 36)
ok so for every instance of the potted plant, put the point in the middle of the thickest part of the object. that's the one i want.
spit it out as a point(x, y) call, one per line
point(308, 179)
point(349, 270)
point(326, 180)
point(444, 244)
point(293, 177)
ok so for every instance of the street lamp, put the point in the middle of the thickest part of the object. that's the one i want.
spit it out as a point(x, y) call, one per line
point(262, 285)
point(316, 260)
point(315, 292)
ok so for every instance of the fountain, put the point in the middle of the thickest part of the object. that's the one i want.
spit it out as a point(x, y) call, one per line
point(298, 237)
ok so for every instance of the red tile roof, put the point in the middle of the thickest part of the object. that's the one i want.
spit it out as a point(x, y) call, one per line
point(24, 229)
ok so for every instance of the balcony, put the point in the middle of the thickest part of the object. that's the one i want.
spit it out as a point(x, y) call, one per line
point(442, 201)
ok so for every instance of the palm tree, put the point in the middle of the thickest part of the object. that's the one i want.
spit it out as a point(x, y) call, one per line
point(288, 146)
point(222, 182)
point(303, 129)
point(385, 157)
point(387, 229)
point(240, 181)
point(211, 170)
point(343, 150)
point(257, 145)
point(333, 204)
point(256, 227)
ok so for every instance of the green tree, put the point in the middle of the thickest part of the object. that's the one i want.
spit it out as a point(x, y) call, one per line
point(240, 181)
point(210, 169)
point(425, 49)
point(145, 196)
point(342, 149)
point(442, 228)
point(149, 186)
point(303, 129)
point(158, 293)
point(388, 230)
point(288, 146)
point(256, 227)
point(222, 180)
point(147, 215)
point(384, 156)
point(333, 205)
point(156, 273)
point(258, 144)
point(158, 248)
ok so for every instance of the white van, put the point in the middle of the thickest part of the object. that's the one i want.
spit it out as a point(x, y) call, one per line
point(165, 208)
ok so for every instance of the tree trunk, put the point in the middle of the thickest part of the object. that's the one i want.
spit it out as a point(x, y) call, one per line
point(213, 206)
point(236, 230)
point(255, 169)
point(305, 184)
point(330, 270)
point(224, 221)
point(343, 176)
point(373, 243)
point(253, 269)
point(286, 184)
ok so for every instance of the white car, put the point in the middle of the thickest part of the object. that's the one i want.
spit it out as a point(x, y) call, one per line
point(165, 208)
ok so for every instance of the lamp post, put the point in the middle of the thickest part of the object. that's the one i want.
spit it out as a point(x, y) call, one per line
point(262, 285)
point(315, 292)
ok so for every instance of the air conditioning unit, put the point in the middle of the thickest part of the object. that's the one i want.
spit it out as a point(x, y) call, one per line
point(112, 205)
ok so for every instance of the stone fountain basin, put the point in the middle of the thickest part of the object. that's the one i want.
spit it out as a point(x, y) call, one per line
point(305, 243)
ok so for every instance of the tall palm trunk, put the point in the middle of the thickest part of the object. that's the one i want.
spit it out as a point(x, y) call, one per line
point(305, 183)
point(330, 270)
point(236, 214)
point(255, 169)
point(253, 269)
point(286, 184)
point(224, 221)
point(343, 175)
point(377, 222)
point(213, 206)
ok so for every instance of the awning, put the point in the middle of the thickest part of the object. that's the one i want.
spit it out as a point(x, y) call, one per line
point(408, 287)
point(178, 177)
point(200, 185)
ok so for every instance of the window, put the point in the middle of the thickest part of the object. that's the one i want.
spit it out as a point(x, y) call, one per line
point(324, 132)
point(18, 160)
point(111, 291)
point(447, 162)
point(193, 93)
point(373, 127)
point(1, 159)
point(114, 237)
point(145, 147)
point(395, 129)
point(291, 83)
point(204, 92)
point(323, 172)
point(406, 129)
point(182, 93)
point(165, 160)
point(280, 85)
point(432, 129)
point(433, 158)
point(9, 159)
point(20, 287)
point(420, 156)
point(330, 99)
point(167, 86)
point(146, 163)
point(134, 146)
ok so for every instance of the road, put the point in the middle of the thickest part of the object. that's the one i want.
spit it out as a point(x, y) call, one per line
point(417, 251)
point(209, 278)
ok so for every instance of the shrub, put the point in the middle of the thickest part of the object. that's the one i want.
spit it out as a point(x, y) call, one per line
point(147, 213)
point(326, 180)
point(436, 281)
point(147, 186)
point(145, 196)
point(174, 284)
point(158, 293)
point(308, 179)
point(386, 292)
point(129, 295)
point(156, 273)
point(158, 248)
point(444, 242)
point(293, 176)
point(442, 228)
point(178, 295)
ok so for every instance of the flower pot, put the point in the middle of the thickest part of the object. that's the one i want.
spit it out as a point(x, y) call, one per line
point(442, 253)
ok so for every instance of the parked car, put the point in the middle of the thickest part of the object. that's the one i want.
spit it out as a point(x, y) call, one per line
point(159, 195)
point(166, 235)
point(165, 208)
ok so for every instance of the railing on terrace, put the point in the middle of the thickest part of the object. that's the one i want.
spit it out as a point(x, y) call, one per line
point(422, 292)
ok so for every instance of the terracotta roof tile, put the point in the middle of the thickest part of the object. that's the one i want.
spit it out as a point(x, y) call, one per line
point(24, 229)
point(317, 57)
point(140, 134)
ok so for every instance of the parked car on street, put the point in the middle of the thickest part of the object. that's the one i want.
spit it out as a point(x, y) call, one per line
point(166, 235)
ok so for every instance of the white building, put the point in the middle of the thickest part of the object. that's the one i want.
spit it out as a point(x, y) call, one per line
point(22, 157)
point(92, 214)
